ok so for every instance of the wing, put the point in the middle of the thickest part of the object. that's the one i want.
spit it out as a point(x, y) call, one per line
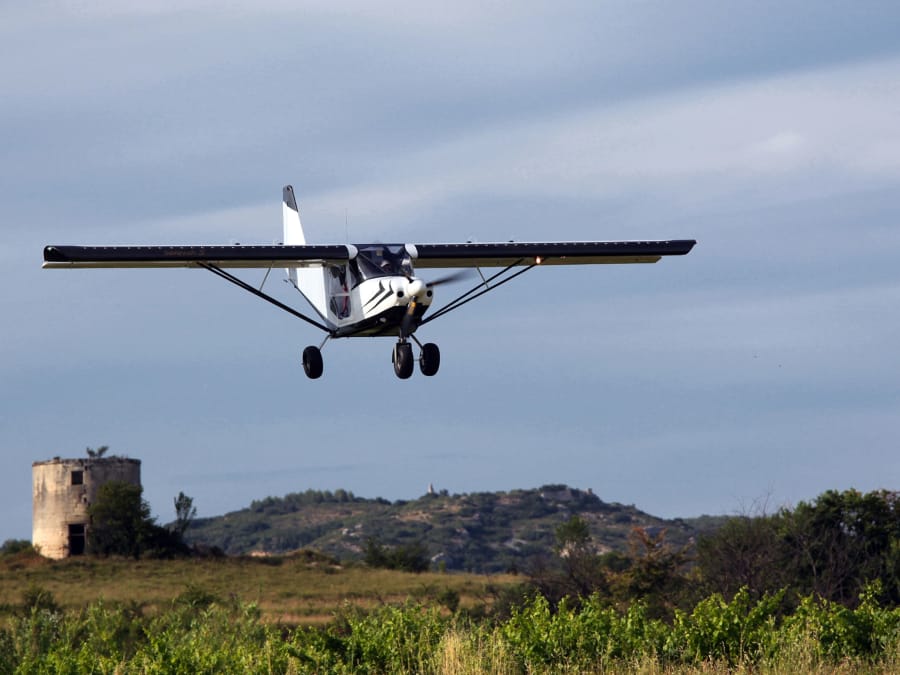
point(546, 253)
point(195, 256)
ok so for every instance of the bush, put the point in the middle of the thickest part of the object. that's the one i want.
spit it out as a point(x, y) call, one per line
point(16, 546)
point(409, 558)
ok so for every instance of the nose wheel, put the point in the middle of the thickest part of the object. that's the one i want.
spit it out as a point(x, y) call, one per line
point(403, 360)
point(404, 363)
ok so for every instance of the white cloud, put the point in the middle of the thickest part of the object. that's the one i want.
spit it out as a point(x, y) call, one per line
point(809, 134)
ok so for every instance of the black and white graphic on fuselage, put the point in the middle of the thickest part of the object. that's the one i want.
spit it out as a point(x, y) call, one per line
point(369, 290)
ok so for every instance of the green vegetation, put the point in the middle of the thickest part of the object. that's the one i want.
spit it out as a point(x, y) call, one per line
point(121, 524)
point(211, 636)
point(813, 589)
point(411, 558)
point(832, 547)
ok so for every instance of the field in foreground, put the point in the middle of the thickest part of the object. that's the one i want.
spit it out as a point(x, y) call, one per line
point(208, 637)
point(305, 614)
point(304, 588)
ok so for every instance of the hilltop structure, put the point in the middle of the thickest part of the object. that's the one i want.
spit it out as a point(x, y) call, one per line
point(62, 492)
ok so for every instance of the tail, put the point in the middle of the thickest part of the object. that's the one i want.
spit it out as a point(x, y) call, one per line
point(293, 230)
point(310, 281)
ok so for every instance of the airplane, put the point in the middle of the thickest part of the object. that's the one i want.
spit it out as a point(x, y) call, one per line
point(367, 290)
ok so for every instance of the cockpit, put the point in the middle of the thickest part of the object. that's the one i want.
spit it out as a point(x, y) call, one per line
point(381, 260)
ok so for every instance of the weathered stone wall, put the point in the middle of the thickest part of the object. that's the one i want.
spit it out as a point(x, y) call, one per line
point(62, 490)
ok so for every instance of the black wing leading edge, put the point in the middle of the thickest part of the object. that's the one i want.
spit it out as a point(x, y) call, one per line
point(513, 254)
point(194, 256)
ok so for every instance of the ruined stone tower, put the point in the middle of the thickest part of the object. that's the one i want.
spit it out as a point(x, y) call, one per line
point(62, 491)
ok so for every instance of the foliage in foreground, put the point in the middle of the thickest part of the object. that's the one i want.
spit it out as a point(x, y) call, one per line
point(206, 636)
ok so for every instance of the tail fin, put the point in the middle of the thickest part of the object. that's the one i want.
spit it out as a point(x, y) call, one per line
point(309, 281)
point(293, 230)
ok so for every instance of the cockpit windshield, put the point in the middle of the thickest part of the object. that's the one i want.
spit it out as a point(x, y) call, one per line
point(382, 260)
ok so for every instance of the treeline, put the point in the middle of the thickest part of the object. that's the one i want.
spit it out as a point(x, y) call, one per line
point(294, 501)
point(833, 548)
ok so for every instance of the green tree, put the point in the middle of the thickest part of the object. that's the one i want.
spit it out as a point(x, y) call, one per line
point(185, 512)
point(120, 521)
point(656, 573)
point(576, 571)
point(409, 558)
point(746, 552)
point(843, 540)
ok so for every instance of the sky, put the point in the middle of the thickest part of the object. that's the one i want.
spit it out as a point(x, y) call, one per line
point(758, 371)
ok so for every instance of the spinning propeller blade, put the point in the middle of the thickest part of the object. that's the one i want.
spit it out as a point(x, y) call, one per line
point(449, 278)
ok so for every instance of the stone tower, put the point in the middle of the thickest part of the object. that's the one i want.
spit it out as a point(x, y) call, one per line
point(62, 491)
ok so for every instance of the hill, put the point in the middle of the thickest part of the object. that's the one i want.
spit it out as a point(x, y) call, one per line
point(486, 532)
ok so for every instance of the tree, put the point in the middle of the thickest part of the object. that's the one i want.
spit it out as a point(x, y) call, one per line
point(185, 512)
point(98, 453)
point(409, 558)
point(748, 552)
point(576, 571)
point(831, 547)
point(656, 573)
point(120, 520)
point(842, 541)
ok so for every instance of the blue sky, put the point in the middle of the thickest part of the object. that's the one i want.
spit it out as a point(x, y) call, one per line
point(761, 368)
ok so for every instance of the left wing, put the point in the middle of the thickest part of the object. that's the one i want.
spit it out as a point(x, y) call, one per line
point(195, 256)
point(513, 254)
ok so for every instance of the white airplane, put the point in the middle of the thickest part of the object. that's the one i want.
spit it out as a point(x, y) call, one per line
point(367, 290)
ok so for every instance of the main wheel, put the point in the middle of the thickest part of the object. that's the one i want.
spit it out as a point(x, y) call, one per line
point(312, 363)
point(430, 360)
point(403, 360)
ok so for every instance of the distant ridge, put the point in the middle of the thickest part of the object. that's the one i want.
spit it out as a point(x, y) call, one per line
point(480, 532)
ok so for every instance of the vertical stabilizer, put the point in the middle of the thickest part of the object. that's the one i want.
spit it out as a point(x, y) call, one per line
point(293, 230)
point(310, 281)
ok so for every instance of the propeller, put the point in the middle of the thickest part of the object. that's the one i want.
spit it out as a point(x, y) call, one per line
point(416, 288)
point(449, 278)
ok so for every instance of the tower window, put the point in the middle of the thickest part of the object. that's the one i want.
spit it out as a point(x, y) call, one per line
point(77, 477)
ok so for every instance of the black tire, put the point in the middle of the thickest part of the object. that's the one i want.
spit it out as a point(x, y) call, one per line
point(430, 360)
point(312, 363)
point(403, 360)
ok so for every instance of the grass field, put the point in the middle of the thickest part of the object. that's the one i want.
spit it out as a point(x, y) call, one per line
point(303, 588)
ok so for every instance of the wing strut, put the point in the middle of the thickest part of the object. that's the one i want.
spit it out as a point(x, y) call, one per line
point(258, 293)
point(468, 295)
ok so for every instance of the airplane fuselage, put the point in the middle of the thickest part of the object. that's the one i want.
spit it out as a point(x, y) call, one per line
point(378, 306)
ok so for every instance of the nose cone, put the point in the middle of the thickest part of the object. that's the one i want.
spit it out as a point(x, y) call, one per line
point(416, 288)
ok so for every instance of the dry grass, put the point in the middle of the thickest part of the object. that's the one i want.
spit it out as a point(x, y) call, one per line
point(298, 589)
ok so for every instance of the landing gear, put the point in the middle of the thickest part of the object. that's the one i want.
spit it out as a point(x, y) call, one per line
point(402, 357)
point(403, 360)
point(430, 359)
point(312, 362)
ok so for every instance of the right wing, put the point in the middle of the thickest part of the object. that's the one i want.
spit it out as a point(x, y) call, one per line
point(512, 254)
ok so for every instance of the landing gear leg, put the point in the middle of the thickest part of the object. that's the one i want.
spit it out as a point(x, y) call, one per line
point(430, 359)
point(403, 360)
point(312, 362)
